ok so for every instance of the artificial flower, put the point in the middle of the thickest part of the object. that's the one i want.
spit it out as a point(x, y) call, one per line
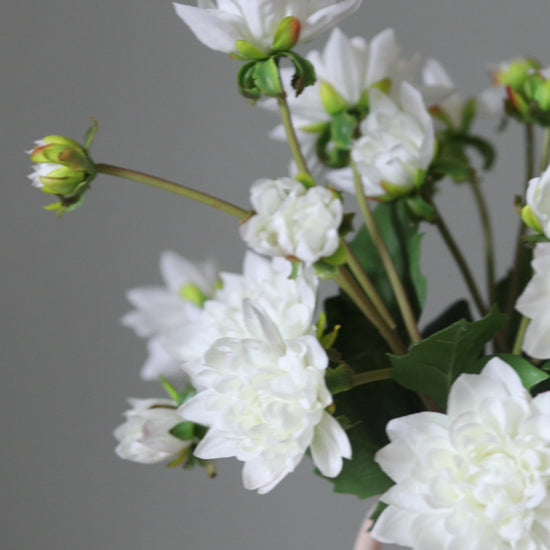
point(538, 203)
point(290, 303)
point(396, 147)
point(162, 309)
point(219, 24)
point(145, 437)
point(534, 303)
point(477, 477)
point(292, 220)
point(264, 400)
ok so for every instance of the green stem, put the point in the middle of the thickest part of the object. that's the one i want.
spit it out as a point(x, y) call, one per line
point(172, 187)
point(519, 258)
point(389, 265)
point(488, 239)
point(520, 336)
point(346, 282)
point(293, 142)
point(371, 376)
point(460, 260)
point(367, 285)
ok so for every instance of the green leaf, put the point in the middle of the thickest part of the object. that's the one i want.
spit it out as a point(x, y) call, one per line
point(433, 365)
point(481, 145)
point(530, 375)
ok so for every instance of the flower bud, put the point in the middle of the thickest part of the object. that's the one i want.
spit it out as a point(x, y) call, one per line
point(287, 34)
point(536, 214)
point(515, 73)
point(63, 167)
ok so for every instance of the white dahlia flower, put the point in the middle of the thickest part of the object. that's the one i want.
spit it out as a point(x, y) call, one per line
point(219, 24)
point(264, 401)
point(291, 220)
point(534, 303)
point(396, 147)
point(477, 477)
point(145, 437)
point(160, 310)
point(290, 303)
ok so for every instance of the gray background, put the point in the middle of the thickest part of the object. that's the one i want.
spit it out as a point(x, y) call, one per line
point(168, 105)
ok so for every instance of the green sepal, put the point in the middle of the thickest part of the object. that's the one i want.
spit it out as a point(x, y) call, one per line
point(531, 219)
point(246, 82)
point(457, 169)
point(433, 365)
point(331, 156)
point(380, 507)
point(420, 209)
point(267, 78)
point(182, 459)
point(304, 72)
point(250, 51)
point(481, 145)
point(185, 431)
point(91, 134)
point(340, 257)
point(343, 128)
point(306, 180)
point(324, 270)
point(329, 339)
point(339, 379)
point(178, 397)
point(532, 240)
point(295, 269)
point(529, 374)
point(469, 112)
point(332, 101)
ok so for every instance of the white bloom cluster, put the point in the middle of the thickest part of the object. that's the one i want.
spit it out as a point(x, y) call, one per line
point(355, 69)
point(534, 303)
point(396, 147)
point(291, 220)
point(477, 477)
point(219, 24)
point(264, 400)
point(145, 437)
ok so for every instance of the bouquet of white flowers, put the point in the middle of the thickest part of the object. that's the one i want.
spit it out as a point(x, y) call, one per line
point(449, 423)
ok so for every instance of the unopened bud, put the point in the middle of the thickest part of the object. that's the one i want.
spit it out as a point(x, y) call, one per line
point(514, 73)
point(287, 34)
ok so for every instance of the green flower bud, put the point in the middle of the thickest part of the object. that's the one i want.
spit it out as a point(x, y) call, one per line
point(541, 94)
point(64, 168)
point(287, 34)
point(515, 73)
point(531, 220)
point(333, 102)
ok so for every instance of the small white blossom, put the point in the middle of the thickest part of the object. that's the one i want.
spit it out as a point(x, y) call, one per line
point(145, 437)
point(534, 303)
point(219, 24)
point(160, 310)
point(290, 303)
point(477, 477)
point(538, 199)
point(291, 220)
point(396, 147)
point(264, 401)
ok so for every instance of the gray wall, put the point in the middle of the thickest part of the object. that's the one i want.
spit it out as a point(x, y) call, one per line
point(168, 105)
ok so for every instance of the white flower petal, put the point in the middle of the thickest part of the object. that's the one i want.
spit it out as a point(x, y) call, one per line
point(330, 444)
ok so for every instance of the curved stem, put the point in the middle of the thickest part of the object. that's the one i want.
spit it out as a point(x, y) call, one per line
point(346, 282)
point(488, 239)
point(389, 265)
point(520, 336)
point(545, 158)
point(172, 187)
point(371, 376)
point(460, 261)
point(367, 285)
point(293, 142)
